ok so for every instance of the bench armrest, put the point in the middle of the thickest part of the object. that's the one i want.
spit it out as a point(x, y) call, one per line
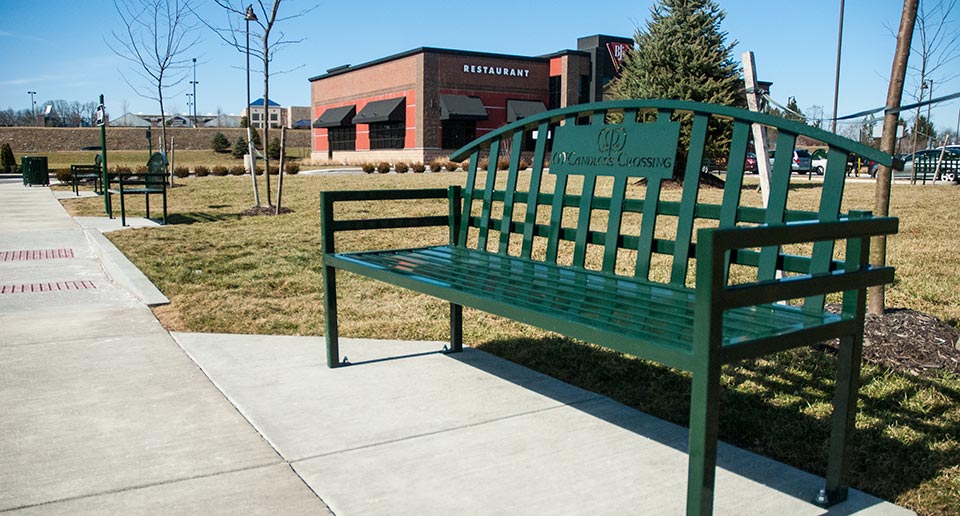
point(329, 225)
point(714, 244)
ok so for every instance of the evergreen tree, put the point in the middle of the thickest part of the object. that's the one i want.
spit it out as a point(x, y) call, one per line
point(220, 143)
point(240, 148)
point(682, 54)
point(8, 163)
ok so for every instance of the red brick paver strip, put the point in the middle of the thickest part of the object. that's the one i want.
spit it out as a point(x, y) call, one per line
point(27, 288)
point(35, 254)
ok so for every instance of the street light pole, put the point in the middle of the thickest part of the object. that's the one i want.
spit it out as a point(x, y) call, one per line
point(33, 108)
point(930, 96)
point(249, 17)
point(836, 80)
point(194, 83)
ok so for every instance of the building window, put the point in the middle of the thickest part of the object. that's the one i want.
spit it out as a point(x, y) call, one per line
point(457, 133)
point(584, 95)
point(342, 138)
point(255, 117)
point(387, 135)
point(553, 101)
point(273, 117)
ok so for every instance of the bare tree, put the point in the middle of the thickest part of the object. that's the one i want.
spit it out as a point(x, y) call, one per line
point(156, 33)
point(263, 25)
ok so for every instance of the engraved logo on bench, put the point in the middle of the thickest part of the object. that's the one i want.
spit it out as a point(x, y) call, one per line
point(618, 150)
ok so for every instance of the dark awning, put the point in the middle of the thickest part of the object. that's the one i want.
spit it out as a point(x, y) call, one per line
point(337, 117)
point(517, 109)
point(461, 107)
point(390, 110)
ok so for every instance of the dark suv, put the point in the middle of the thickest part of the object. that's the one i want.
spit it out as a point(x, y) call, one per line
point(802, 162)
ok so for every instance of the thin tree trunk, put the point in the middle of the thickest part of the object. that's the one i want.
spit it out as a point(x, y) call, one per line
point(878, 250)
point(283, 152)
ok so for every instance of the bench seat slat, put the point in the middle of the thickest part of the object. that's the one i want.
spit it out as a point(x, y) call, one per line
point(627, 309)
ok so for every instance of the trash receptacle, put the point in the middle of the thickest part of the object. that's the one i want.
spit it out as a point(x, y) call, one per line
point(34, 170)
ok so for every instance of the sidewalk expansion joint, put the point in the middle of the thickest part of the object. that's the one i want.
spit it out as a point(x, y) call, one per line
point(451, 429)
point(141, 486)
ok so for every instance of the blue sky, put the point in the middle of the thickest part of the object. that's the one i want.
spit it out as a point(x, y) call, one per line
point(58, 48)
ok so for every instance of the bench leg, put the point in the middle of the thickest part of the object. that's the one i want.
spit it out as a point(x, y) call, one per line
point(456, 328)
point(843, 421)
point(330, 317)
point(164, 206)
point(146, 198)
point(704, 422)
point(123, 211)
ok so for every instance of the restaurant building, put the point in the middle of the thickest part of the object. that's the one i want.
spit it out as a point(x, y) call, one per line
point(425, 103)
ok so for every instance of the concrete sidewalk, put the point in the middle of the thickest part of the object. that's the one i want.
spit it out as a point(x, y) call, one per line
point(104, 412)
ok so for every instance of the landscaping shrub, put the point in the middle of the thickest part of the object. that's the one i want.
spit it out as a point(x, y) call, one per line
point(436, 166)
point(259, 170)
point(451, 166)
point(239, 148)
point(220, 170)
point(291, 168)
point(401, 167)
point(273, 150)
point(201, 171)
point(220, 143)
point(418, 167)
point(274, 170)
point(238, 170)
point(64, 175)
point(383, 167)
point(123, 169)
point(524, 164)
point(465, 164)
point(368, 167)
point(482, 165)
point(141, 169)
point(503, 164)
point(181, 172)
point(8, 163)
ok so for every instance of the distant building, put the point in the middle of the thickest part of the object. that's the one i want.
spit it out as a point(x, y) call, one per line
point(424, 103)
point(226, 121)
point(129, 120)
point(260, 116)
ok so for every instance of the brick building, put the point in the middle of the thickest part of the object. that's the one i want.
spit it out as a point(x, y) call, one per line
point(424, 103)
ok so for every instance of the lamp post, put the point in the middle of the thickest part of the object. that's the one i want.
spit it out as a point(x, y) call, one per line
point(930, 96)
point(194, 83)
point(33, 107)
point(249, 17)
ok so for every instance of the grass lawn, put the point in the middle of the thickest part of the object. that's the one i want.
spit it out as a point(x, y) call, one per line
point(232, 274)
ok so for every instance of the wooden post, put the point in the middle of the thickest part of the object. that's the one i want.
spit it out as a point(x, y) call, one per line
point(283, 154)
point(759, 131)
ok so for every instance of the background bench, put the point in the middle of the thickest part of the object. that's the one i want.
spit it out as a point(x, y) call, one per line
point(151, 182)
point(80, 173)
point(591, 250)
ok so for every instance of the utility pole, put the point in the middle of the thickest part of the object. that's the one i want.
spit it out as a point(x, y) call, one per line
point(888, 142)
point(836, 80)
point(194, 83)
point(759, 131)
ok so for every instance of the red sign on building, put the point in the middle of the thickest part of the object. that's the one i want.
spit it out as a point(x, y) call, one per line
point(617, 52)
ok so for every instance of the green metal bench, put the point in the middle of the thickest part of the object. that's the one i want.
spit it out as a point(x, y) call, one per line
point(153, 181)
point(82, 173)
point(544, 248)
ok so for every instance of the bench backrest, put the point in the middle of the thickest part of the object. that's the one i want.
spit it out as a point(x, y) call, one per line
point(156, 176)
point(603, 205)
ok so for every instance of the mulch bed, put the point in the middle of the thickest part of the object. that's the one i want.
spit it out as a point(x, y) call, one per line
point(909, 341)
point(263, 210)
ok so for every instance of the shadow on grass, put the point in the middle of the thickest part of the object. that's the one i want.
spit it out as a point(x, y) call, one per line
point(777, 407)
point(198, 217)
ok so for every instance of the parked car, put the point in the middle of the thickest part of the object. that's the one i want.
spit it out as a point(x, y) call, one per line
point(818, 160)
point(801, 163)
point(750, 163)
point(926, 161)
